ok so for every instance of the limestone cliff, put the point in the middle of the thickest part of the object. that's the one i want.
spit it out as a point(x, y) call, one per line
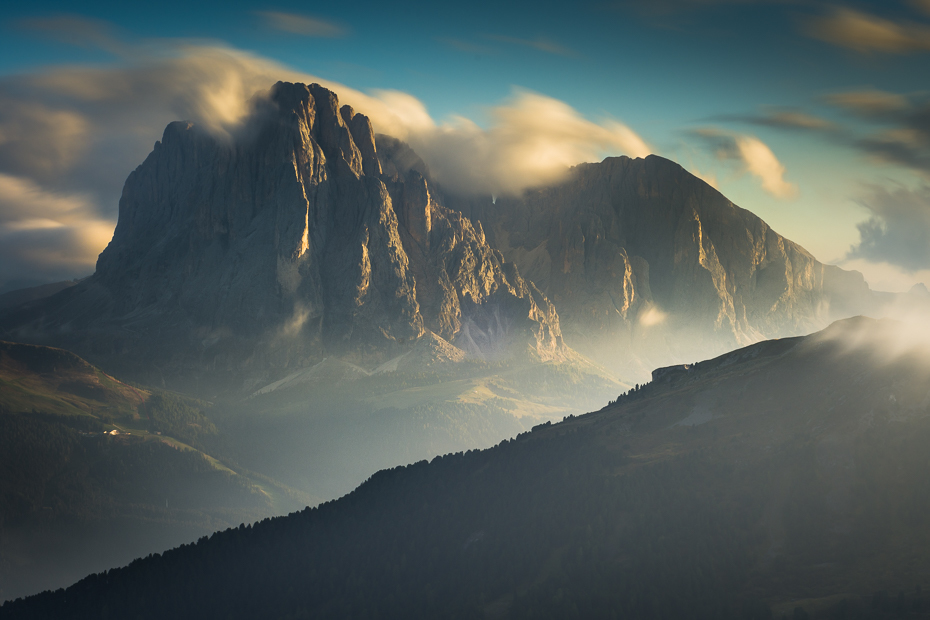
point(649, 265)
point(294, 239)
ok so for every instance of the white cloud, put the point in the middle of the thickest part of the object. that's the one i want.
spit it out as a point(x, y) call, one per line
point(761, 162)
point(45, 235)
point(532, 141)
point(752, 155)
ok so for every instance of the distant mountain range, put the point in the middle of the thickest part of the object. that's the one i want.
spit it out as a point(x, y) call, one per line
point(784, 479)
point(237, 261)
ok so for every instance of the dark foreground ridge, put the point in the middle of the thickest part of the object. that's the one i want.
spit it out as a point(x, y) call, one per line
point(786, 478)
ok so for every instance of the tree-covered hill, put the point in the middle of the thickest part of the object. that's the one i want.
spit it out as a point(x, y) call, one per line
point(785, 479)
point(94, 472)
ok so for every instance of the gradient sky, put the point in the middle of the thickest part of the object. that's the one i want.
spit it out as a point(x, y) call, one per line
point(815, 116)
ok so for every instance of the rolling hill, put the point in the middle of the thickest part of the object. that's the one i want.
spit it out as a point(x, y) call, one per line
point(94, 472)
point(784, 479)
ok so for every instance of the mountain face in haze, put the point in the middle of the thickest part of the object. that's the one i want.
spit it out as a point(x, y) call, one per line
point(644, 260)
point(787, 474)
point(293, 239)
point(303, 236)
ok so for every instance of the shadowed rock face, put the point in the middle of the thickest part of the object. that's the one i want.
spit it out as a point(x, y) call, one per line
point(646, 262)
point(296, 238)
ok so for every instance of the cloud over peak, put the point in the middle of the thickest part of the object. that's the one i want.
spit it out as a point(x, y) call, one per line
point(532, 140)
point(73, 134)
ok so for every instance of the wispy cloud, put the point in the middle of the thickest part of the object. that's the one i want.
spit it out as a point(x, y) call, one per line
point(465, 46)
point(541, 44)
point(77, 30)
point(752, 155)
point(902, 126)
point(782, 118)
point(869, 103)
point(304, 25)
point(46, 235)
point(664, 8)
point(922, 5)
point(864, 32)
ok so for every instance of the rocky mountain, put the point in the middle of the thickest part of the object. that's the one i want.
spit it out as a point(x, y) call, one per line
point(238, 257)
point(646, 264)
point(784, 479)
point(242, 258)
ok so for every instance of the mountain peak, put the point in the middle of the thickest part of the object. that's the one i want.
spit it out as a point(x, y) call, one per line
point(649, 265)
point(285, 244)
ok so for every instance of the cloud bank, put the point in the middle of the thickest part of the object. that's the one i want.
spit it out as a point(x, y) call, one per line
point(70, 135)
point(47, 236)
point(901, 133)
point(898, 232)
point(532, 141)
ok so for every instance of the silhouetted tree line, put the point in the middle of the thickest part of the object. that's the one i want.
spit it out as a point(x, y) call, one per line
point(540, 527)
point(562, 522)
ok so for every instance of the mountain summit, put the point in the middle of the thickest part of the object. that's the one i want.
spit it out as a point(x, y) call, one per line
point(300, 237)
point(647, 262)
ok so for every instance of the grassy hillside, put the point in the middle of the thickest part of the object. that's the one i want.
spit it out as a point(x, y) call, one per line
point(787, 479)
point(57, 382)
point(94, 472)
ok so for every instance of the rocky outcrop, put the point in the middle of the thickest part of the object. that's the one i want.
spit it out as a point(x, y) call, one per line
point(649, 265)
point(300, 237)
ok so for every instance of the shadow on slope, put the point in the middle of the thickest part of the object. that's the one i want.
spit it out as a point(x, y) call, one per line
point(326, 428)
point(787, 478)
point(94, 472)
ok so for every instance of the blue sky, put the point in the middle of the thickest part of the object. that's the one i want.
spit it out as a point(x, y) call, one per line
point(815, 116)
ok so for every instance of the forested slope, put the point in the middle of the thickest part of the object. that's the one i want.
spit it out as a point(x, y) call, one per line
point(787, 478)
